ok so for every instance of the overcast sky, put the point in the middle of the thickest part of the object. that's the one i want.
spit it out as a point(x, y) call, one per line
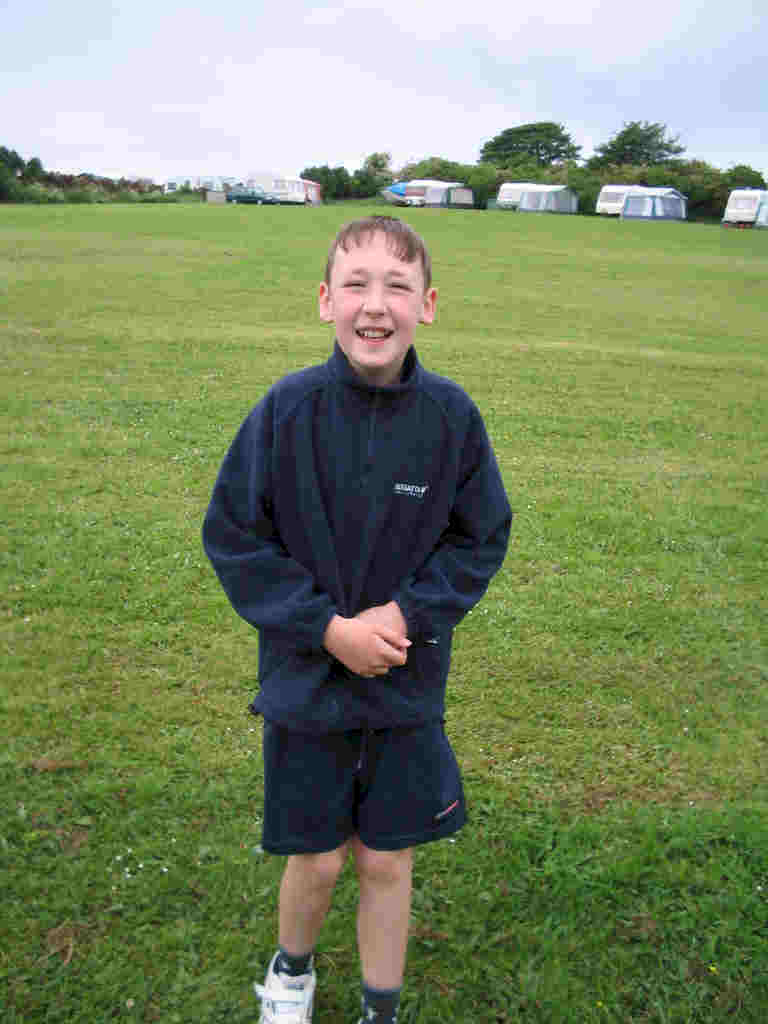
point(161, 89)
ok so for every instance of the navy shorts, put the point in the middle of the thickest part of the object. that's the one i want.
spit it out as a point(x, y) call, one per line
point(394, 788)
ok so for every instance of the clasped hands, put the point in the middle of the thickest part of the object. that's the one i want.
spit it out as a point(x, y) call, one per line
point(372, 642)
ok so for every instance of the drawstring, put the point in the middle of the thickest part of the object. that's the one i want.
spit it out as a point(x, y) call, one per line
point(364, 742)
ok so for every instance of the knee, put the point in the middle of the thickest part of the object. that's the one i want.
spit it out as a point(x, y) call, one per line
point(321, 869)
point(382, 867)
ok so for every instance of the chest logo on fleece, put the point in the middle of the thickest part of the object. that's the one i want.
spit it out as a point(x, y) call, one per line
point(412, 490)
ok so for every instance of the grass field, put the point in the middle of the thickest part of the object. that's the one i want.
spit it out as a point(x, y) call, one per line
point(608, 700)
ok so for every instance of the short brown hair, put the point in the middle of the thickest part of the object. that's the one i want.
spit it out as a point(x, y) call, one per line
point(405, 243)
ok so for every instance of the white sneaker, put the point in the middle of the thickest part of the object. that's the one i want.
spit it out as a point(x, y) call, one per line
point(286, 1000)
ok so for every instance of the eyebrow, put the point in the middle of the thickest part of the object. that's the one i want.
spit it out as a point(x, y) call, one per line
point(364, 270)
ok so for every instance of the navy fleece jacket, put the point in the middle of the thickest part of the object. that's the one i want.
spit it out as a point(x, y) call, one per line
point(335, 496)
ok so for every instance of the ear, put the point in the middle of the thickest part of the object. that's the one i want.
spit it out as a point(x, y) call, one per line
point(429, 306)
point(324, 304)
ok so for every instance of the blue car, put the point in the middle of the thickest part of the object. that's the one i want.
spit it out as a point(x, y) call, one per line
point(255, 195)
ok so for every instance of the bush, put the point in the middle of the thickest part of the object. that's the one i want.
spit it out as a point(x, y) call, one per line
point(9, 186)
point(34, 192)
point(159, 197)
point(84, 195)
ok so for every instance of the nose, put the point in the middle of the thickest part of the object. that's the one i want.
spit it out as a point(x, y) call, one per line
point(373, 300)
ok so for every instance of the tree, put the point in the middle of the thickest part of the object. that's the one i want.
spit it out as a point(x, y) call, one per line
point(377, 166)
point(8, 184)
point(10, 158)
point(33, 169)
point(365, 184)
point(434, 167)
point(641, 143)
point(335, 181)
point(484, 180)
point(544, 141)
point(744, 176)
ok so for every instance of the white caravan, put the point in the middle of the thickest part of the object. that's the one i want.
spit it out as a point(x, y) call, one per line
point(611, 199)
point(642, 201)
point(508, 197)
point(416, 190)
point(743, 205)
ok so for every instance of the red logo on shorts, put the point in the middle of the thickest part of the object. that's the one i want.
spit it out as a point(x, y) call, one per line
point(447, 811)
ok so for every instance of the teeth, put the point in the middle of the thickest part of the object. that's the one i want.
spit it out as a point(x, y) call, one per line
point(374, 333)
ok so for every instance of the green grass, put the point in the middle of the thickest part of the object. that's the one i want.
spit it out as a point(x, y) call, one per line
point(608, 700)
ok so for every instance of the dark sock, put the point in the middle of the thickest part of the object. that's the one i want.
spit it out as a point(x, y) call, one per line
point(291, 965)
point(380, 1005)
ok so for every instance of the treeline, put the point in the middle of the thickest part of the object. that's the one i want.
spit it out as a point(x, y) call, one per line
point(27, 181)
point(640, 153)
point(706, 187)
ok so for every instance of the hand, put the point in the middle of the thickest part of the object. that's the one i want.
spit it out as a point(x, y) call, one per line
point(386, 616)
point(364, 647)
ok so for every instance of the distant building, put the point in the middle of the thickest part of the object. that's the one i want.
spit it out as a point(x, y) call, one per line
point(209, 182)
point(288, 189)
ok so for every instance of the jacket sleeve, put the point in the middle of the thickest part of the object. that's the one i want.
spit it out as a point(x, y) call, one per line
point(265, 585)
point(471, 549)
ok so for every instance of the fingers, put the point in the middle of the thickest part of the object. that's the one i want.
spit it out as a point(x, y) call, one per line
point(385, 616)
point(392, 639)
point(379, 670)
point(388, 655)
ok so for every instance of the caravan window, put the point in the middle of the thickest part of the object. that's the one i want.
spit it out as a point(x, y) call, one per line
point(612, 197)
point(743, 203)
point(533, 200)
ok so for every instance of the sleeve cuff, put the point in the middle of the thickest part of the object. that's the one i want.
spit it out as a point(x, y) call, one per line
point(321, 628)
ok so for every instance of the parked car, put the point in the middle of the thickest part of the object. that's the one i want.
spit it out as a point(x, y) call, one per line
point(256, 195)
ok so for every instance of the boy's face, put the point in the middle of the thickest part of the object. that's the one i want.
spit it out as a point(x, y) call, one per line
point(376, 300)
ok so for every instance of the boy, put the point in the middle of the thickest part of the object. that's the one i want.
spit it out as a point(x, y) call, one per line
point(357, 517)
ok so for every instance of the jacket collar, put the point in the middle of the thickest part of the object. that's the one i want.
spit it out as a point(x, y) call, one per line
point(341, 369)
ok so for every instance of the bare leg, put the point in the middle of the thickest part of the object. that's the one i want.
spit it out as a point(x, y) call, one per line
point(305, 896)
point(383, 913)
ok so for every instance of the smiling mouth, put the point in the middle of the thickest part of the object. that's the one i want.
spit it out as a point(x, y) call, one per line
point(373, 333)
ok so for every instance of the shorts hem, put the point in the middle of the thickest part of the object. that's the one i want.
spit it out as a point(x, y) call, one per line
point(381, 843)
point(291, 848)
point(431, 835)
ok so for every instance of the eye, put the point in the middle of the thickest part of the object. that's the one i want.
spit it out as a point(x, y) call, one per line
point(353, 284)
point(399, 286)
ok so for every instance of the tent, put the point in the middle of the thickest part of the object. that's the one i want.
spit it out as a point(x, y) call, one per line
point(395, 193)
point(454, 197)
point(548, 199)
point(508, 196)
point(416, 190)
point(644, 203)
point(743, 206)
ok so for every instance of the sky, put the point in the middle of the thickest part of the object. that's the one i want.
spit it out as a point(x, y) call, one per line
point(165, 90)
